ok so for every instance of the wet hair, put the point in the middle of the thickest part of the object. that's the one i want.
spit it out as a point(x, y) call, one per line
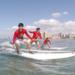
point(37, 29)
point(20, 25)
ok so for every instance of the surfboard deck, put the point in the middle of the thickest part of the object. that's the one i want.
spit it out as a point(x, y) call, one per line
point(40, 54)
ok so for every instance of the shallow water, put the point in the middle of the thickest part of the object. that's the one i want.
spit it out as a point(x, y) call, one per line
point(12, 65)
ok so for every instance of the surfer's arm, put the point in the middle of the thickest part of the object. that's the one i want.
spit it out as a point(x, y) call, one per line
point(49, 44)
point(25, 32)
point(14, 38)
point(49, 41)
point(40, 36)
point(31, 31)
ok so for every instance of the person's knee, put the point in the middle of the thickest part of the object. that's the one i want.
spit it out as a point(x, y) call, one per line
point(38, 43)
point(29, 41)
point(25, 41)
point(17, 43)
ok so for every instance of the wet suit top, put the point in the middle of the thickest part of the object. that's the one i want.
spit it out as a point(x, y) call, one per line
point(19, 34)
point(36, 35)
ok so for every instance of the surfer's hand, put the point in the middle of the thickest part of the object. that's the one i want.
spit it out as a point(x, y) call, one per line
point(11, 42)
point(12, 45)
point(33, 40)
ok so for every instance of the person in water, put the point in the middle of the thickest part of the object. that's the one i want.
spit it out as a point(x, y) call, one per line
point(47, 40)
point(18, 38)
point(36, 36)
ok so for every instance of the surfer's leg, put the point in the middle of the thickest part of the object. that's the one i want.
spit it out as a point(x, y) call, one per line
point(24, 42)
point(48, 45)
point(42, 46)
point(29, 47)
point(38, 44)
point(17, 44)
point(29, 43)
point(17, 48)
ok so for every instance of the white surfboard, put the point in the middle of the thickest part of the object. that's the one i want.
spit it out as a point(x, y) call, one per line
point(41, 55)
point(47, 56)
point(34, 50)
point(58, 48)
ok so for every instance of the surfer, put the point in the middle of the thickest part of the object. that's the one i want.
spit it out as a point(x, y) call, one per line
point(47, 40)
point(18, 38)
point(36, 36)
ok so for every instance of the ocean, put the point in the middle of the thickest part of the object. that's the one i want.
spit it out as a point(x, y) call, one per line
point(14, 65)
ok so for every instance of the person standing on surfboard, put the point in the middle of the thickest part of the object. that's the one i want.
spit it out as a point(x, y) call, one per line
point(18, 37)
point(47, 40)
point(36, 37)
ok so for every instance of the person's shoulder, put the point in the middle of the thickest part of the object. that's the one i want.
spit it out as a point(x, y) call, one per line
point(34, 32)
point(24, 29)
point(39, 32)
point(16, 31)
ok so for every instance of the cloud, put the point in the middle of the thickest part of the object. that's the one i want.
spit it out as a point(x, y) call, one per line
point(65, 13)
point(51, 25)
point(54, 25)
point(70, 26)
point(56, 14)
point(48, 22)
point(59, 14)
point(28, 27)
point(14, 27)
point(5, 34)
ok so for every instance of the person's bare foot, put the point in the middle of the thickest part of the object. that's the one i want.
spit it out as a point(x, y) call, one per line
point(31, 52)
point(17, 51)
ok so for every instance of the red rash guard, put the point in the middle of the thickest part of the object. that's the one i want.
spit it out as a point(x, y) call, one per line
point(46, 41)
point(36, 35)
point(19, 35)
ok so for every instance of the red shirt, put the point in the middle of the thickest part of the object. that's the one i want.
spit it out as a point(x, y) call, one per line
point(46, 41)
point(36, 35)
point(19, 35)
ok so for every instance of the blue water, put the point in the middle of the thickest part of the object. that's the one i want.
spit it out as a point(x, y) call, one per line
point(12, 65)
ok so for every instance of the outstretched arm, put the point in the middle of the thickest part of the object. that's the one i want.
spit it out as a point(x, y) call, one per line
point(27, 34)
point(31, 31)
point(40, 36)
point(14, 38)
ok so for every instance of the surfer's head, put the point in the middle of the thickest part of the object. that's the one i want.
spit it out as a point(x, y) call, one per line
point(37, 29)
point(20, 26)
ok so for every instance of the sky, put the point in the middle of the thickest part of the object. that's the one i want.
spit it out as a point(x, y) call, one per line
point(51, 15)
